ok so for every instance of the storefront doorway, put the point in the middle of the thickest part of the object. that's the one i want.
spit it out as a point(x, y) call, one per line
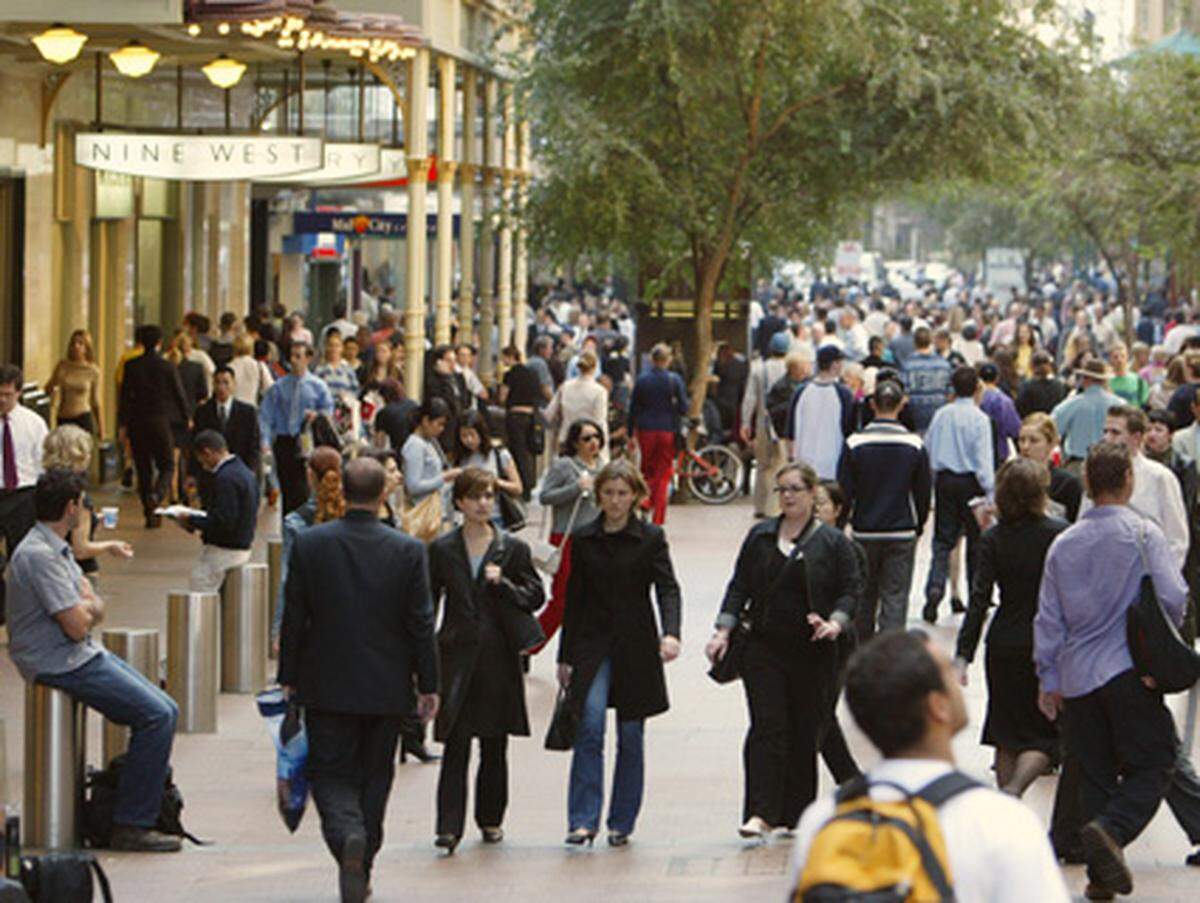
point(12, 256)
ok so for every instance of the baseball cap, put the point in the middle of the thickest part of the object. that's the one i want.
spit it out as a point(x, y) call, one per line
point(781, 342)
point(827, 355)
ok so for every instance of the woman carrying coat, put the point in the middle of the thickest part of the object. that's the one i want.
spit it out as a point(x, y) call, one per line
point(797, 583)
point(611, 655)
point(477, 570)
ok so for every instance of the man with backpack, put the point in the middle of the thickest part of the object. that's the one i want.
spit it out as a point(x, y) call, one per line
point(969, 843)
point(756, 421)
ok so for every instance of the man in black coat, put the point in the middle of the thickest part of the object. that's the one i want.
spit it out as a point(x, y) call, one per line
point(357, 624)
point(150, 391)
point(233, 419)
point(230, 512)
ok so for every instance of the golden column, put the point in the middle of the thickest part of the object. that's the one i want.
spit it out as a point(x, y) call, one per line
point(521, 263)
point(444, 273)
point(504, 313)
point(487, 252)
point(466, 236)
point(417, 146)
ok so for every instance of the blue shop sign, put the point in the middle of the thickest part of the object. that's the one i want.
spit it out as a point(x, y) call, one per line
point(374, 225)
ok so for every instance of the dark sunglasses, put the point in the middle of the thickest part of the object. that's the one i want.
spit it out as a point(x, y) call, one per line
point(589, 437)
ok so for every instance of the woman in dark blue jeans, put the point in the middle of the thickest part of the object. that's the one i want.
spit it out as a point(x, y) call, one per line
point(611, 654)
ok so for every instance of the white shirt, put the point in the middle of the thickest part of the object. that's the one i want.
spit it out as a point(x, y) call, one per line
point(997, 849)
point(251, 379)
point(763, 375)
point(28, 433)
point(201, 357)
point(1157, 497)
point(576, 399)
point(817, 428)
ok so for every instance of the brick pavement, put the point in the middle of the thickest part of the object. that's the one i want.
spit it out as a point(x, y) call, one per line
point(685, 847)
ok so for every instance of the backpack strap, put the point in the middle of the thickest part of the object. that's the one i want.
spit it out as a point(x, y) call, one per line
point(857, 786)
point(102, 880)
point(941, 790)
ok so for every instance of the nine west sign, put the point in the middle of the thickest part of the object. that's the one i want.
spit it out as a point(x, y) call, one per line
point(343, 163)
point(201, 158)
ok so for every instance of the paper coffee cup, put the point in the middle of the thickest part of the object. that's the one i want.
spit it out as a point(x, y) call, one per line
point(109, 517)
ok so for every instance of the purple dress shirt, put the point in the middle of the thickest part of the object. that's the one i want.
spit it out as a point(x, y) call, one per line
point(1003, 412)
point(1093, 573)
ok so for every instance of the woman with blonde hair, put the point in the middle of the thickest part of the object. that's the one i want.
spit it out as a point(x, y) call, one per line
point(577, 399)
point(1037, 441)
point(74, 387)
point(68, 446)
point(611, 654)
point(251, 377)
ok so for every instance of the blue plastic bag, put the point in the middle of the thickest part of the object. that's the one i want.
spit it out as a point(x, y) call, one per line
point(286, 726)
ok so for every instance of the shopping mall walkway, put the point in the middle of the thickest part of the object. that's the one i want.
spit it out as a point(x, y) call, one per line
point(685, 847)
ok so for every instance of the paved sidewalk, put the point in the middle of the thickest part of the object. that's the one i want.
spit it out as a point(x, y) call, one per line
point(685, 847)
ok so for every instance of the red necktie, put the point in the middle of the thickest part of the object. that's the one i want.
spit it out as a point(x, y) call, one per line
point(10, 456)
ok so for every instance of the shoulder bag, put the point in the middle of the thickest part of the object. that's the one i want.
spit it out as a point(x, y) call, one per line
point(547, 557)
point(521, 630)
point(512, 512)
point(1155, 645)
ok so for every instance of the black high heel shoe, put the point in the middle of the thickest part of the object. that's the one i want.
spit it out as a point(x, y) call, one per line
point(492, 835)
point(580, 837)
point(418, 751)
point(618, 839)
point(447, 842)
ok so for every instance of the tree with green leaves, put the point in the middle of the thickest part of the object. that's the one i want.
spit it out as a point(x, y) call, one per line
point(680, 133)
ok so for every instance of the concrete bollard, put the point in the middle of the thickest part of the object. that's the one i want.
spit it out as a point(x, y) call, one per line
point(244, 630)
point(274, 581)
point(138, 646)
point(194, 659)
point(55, 753)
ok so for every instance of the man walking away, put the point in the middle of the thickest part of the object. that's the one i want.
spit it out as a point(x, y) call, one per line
point(926, 376)
point(53, 610)
point(658, 403)
point(756, 420)
point(22, 433)
point(885, 475)
point(358, 624)
point(960, 456)
point(822, 416)
point(903, 692)
point(1080, 418)
point(1116, 725)
point(230, 513)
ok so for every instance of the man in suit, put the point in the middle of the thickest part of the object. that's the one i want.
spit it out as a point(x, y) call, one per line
point(357, 624)
point(230, 512)
point(233, 419)
point(150, 391)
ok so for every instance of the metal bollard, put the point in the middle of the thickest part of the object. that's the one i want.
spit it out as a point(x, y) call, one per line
point(274, 580)
point(4, 800)
point(138, 646)
point(55, 752)
point(194, 659)
point(244, 631)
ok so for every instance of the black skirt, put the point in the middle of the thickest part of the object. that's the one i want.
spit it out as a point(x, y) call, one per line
point(1013, 719)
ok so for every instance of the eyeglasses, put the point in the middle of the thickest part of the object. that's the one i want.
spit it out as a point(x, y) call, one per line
point(791, 490)
point(590, 437)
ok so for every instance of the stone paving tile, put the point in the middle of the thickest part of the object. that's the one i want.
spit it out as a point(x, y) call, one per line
point(685, 847)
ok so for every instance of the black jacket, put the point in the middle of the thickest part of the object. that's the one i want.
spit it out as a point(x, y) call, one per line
point(150, 392)
point(1013, 555)
point(471, 605)
point(241, 431)
point(358, 620)
point(608, 615)
point(230, 499)
point(884, 473)
point(1037, 394)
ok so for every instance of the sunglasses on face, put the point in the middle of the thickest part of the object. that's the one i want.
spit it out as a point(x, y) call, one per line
point(791, 490)
point(590, 437)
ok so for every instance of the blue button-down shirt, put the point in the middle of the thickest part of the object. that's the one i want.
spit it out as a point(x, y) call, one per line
point(959, 440)
point(1079, 640)
point(1080, 419)
point(659, 400)
point(285, 404)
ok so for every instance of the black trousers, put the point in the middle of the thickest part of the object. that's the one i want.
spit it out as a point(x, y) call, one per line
point(17, 517)
point(1124, 741)
point(154, 459)
point(491, 784)
point(787, 711)
point(835, 752)
point(289, 468)
point(83, 421)
point(351, 761)
point(516, 428)
point(951, 517)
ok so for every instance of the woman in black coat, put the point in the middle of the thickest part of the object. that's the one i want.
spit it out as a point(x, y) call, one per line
point(1013, 553)
point(797, 582)
point(486, 579)
point(611, 653)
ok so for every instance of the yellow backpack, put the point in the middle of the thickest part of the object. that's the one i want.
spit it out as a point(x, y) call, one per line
point(882, 852)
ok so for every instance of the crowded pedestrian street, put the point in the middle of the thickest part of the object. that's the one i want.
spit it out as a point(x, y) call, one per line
point(686, 847)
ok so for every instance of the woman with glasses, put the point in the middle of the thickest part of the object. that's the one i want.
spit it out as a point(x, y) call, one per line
point(796, 583)
point(569, 482)
point(611, 654)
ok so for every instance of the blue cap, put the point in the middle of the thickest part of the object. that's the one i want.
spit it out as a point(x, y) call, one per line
point(781, 342)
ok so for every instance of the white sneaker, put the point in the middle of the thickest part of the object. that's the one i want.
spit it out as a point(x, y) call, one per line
point(754, 827)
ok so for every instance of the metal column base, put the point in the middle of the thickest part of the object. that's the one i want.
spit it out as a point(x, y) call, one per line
point(138, 646)
point(194, 659)
point(55, 753)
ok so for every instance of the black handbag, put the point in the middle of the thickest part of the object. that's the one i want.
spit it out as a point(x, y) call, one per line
point(512, 512)
point(728, 667)
point(1157, 649)
point(522, 631)
point(536, 438)
point(561, 735)
point(63, 878)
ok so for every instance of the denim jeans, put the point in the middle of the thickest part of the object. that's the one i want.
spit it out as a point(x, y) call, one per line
point(585, 796)
point(122, 695)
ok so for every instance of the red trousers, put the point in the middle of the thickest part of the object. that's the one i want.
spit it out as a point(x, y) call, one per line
point(551, 616)
point(658, 462)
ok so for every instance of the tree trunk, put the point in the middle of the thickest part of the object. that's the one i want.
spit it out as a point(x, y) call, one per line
point(704, 301)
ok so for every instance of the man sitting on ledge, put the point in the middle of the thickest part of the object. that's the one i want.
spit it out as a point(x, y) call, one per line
point(52, 609)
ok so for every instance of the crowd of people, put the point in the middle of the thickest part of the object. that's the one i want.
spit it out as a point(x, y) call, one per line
point(1036, 438)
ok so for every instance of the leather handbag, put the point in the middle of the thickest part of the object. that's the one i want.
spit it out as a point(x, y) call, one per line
point(1157, 649)
point(547, 557)
point(561, 735)
point(728, 667)
point(512, 512)
point(63, 878)
point(423, 520)
point(522, 631)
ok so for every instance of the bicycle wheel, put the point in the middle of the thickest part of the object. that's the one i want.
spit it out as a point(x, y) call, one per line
point(716, 477)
